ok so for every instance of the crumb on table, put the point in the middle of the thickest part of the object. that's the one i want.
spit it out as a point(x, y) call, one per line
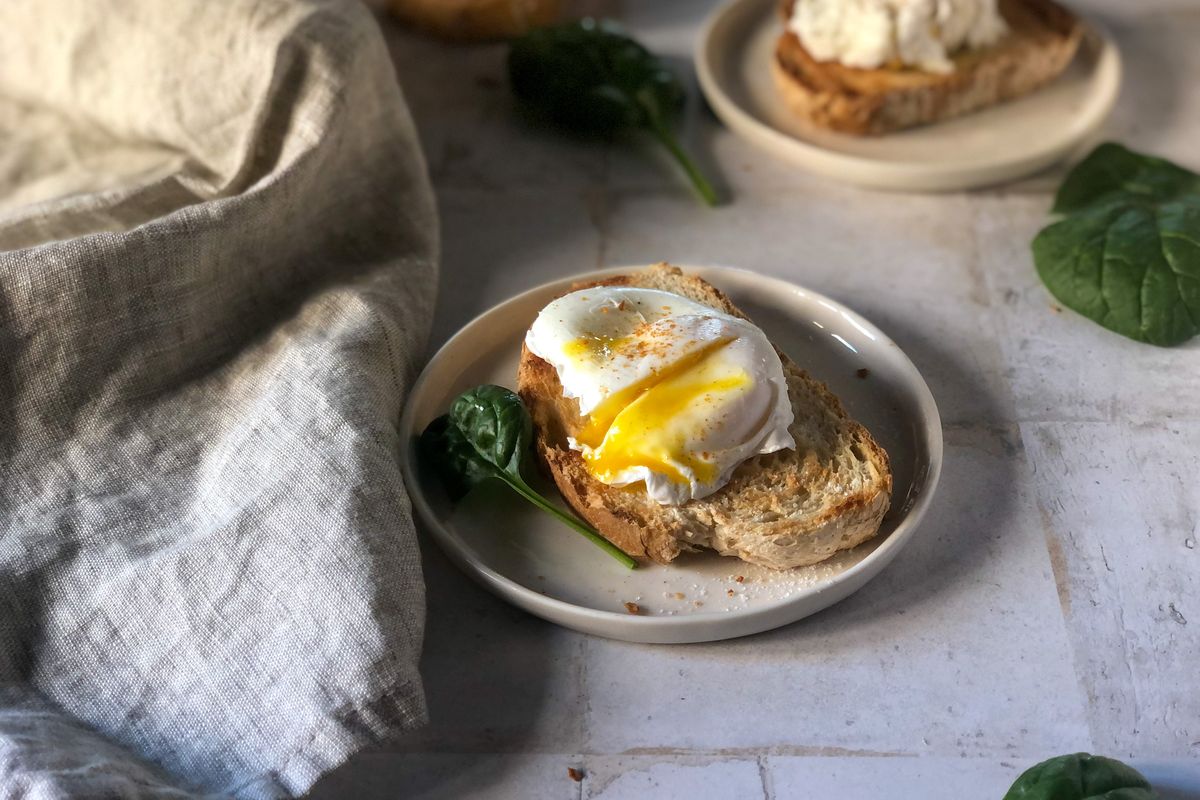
point(633, 608)
point(575, 774)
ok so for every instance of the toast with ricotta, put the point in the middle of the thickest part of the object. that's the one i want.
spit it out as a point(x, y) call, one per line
point(784, 509)
point(1042, 39)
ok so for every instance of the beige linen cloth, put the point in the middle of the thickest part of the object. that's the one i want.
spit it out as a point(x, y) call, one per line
point(217, 263)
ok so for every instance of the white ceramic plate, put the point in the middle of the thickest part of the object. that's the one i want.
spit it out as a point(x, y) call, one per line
point(528, 558)
point(1011, 140)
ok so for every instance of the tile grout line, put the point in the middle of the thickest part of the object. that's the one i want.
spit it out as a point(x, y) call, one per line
point(999, 424)
point(764, 777)
point(585, 697)
point(585, 713)
point(1002, 330)
point(995, 311)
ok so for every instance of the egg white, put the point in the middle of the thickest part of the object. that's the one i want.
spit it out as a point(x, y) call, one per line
point(619, 342)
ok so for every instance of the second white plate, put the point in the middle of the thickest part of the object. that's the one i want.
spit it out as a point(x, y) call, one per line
point(733, 61)
point(533, 561)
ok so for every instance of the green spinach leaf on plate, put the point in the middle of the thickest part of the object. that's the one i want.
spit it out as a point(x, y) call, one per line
point(486, 435)
point(1126, 253)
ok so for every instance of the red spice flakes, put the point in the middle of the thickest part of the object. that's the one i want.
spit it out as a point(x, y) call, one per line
point(729, 592)
point(633, 608)
point(575, 774)
point(740, 579)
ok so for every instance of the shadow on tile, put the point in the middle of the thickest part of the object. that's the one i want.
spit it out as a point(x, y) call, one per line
point(1174, 779)
point(978, 494)
point(434, 776)
point(497, 680)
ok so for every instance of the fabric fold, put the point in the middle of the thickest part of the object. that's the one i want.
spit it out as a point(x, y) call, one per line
point(218, 251)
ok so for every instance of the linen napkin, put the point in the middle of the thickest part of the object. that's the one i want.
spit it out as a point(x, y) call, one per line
point(217, 264)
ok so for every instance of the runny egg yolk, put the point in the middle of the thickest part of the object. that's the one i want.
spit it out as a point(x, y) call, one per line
point(662, 422)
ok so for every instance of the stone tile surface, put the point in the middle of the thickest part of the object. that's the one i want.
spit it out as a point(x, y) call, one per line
point(1177, 779)
point(1159, 105)
point(907, 262)
point(958, 648)
point(471, 131)
point(875, 778)
point(937, 778)
point(1051, 603)
point(673, 778)
point(1059, 365)
point(496, 679)
point(1122, 505)
point(497, 245)
point(438, 776)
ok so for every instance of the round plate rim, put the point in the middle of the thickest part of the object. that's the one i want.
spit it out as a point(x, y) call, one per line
point(943, 176)
point(647, 626)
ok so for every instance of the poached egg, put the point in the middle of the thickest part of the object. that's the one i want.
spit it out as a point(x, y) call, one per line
point(673, 394)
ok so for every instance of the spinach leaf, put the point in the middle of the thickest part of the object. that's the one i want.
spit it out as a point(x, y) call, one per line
point(589, 77)
point(1081, 776)
point(486, 435)
point(1127, 253)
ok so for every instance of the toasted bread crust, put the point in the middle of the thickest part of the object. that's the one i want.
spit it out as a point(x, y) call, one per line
point(1042, 40)
point(776, 509)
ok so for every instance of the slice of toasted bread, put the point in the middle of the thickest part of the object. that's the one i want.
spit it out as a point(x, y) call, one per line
point(1042, 39)
point(781, 510)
